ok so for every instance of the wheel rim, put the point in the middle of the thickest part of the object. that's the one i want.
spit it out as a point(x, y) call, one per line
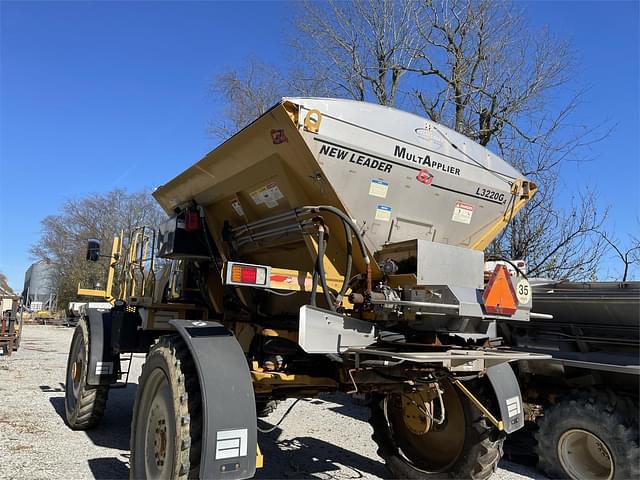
point(583, 455)
point(75, 371)
point(157, 429)
point(437, 450)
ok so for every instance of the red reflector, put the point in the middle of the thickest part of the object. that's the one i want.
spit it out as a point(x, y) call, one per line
point(192, 222)
point(248, 274)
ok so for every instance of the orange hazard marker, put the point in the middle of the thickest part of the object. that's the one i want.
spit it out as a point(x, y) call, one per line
point(499, 295)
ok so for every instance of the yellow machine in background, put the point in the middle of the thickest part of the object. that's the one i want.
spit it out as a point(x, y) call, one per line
point(10, 322)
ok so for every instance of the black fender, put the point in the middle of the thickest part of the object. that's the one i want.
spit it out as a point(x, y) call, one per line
point(229, 425)
point(103, 364)
point(507, 390)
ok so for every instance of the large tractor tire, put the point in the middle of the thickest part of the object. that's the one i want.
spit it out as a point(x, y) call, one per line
point(589, 434)
point(465, 446)
point(84, 405)
point(166, 430)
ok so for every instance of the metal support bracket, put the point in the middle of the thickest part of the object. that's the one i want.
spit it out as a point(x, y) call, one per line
point(485, 411)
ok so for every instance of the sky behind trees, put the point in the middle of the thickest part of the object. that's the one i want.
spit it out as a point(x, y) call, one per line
point(102, 95)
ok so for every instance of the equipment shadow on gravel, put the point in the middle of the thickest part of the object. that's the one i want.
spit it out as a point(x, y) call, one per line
point(113, 432)
point(298, 458)
point(114, 429)
point(347, 407)
point(308, 457)
point(108, 468)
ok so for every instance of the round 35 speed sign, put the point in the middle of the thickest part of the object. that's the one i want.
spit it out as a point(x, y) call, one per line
point(523, 291)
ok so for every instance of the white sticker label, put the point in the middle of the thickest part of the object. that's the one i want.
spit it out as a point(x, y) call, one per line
point(383, 212)
point(523, 291)
point(104, 368)
point(513, 406)
point(269, 195)
point(237, 207)
point(378, 188)
point(275, 191)
point(462, 213)
point(231, 444)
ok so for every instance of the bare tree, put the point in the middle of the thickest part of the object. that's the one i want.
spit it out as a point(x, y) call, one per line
point(473, 65)
point(486, 74)
point(359, 49)
point(483, 70)
point(64, 236)
point(556, 242)
point(4, 284)
point(252, 89)
point(629, 255)
point(247, 94)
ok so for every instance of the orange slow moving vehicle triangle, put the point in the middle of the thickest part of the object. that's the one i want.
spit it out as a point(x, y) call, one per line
point(499, 295)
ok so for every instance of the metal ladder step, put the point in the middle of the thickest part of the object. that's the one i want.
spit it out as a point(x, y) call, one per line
point(124, 358)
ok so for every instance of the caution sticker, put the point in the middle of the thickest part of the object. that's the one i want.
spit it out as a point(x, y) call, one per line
point(267, 195)
point(383, 212)
point(462, 213)
point(237, 207)
point(378, 188)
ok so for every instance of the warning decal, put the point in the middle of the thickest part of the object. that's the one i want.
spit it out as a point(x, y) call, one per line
point(383, 212)
point(237, 207)
point(462, 213)
point(378, 188)
point(278, 136)
point(268, 195)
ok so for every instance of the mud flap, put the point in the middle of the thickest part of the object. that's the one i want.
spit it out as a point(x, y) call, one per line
point(229, 427)
point(103, 365)
point(505, 386)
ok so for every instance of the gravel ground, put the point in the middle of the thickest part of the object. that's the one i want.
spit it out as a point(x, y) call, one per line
point(321, 438)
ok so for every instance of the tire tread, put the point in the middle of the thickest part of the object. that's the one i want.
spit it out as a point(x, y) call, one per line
point(616, 413)
point(187, 399)
point(92, 401)
point(479, 463)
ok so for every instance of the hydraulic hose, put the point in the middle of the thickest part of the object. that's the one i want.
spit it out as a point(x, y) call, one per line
point(323, 277)
point(316, 270)
point(345, 218)
point(319, 276)
point(348, 224)
point(347, 274)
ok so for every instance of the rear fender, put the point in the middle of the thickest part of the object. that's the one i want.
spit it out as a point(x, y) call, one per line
point(229, 427)
point(507, 390)
point(103, 365)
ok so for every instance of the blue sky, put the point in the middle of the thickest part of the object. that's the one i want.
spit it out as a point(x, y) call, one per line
point(102, 95)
